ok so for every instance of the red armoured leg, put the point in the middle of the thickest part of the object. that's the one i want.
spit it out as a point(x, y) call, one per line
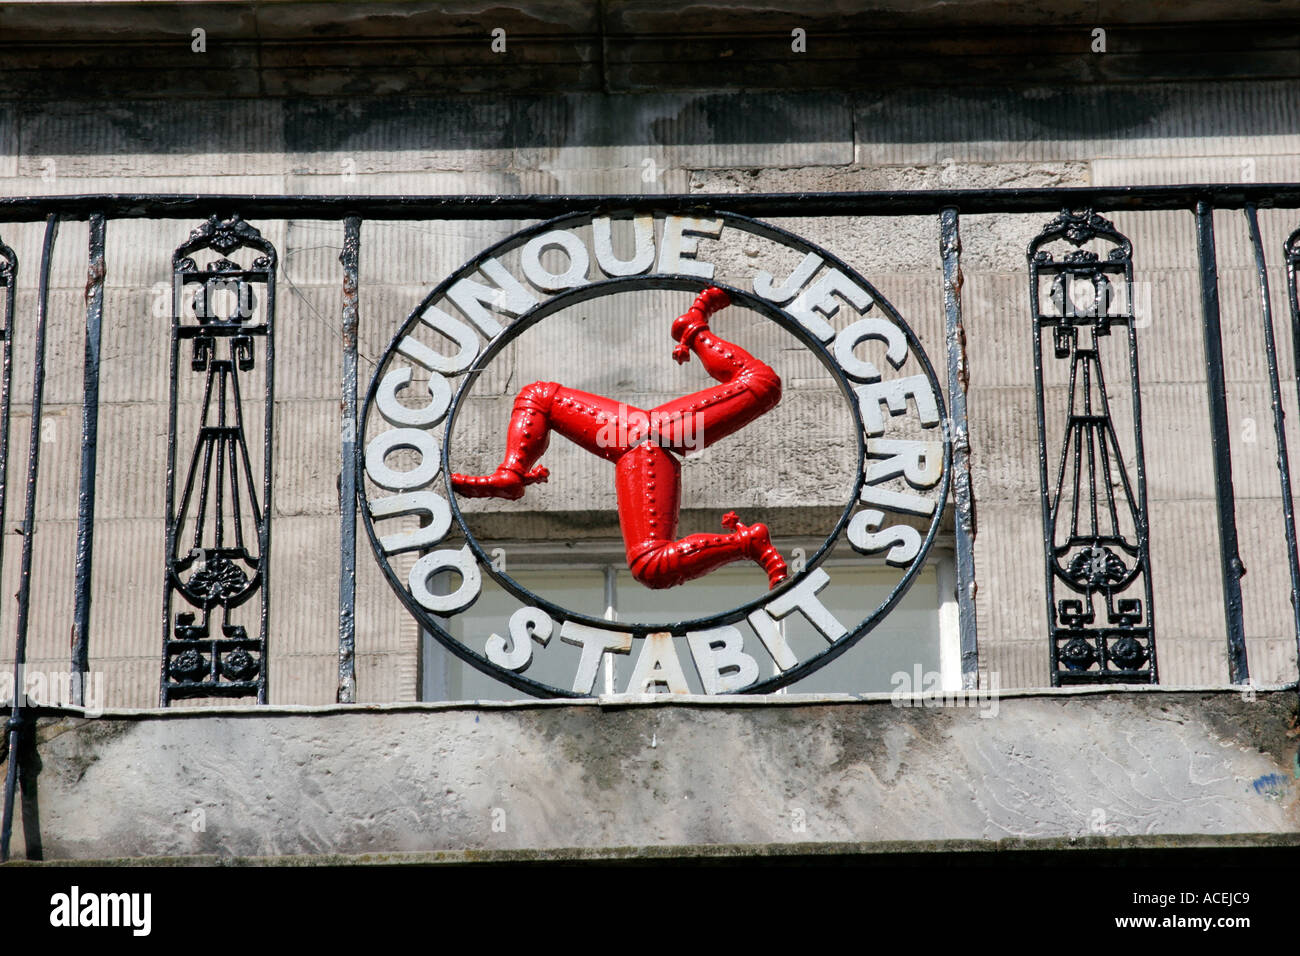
point(749, 386)
point(503, 483)
point(672, 563)
point(649, 500)
point(595, 423)
point(687, 325)
point(526, 440)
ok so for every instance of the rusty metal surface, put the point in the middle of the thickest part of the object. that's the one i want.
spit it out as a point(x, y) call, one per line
point(14, 725)
point(350, 259)
point(1283, 459)
point(770, 205)
point(963, 493)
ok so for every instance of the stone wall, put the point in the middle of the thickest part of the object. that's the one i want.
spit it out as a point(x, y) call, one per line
point(1035, 129)
point(116, 49)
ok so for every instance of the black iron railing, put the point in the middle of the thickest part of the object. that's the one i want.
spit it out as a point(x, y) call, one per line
point(1100, 620)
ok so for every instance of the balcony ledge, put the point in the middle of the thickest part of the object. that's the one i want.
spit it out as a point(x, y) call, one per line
point(587, 778)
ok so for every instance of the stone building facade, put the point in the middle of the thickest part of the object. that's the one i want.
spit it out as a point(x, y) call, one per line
point(300, 99)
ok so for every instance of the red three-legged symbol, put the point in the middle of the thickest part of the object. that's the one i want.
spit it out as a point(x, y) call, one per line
point(645, 447)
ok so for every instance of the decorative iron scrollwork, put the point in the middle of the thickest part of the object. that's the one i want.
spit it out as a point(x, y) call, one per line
point(218, 539)
point(1095, 532)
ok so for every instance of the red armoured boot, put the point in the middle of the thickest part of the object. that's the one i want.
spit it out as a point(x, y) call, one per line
point(696, 319)
point(759, 548)
point(503, 483)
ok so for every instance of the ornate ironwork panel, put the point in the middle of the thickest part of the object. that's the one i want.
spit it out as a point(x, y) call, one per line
point(219, 536)
point(1095, 532)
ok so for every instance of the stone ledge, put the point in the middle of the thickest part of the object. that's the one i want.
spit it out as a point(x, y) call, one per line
point(606, 701)
point(585, 777)
point(1069, 850)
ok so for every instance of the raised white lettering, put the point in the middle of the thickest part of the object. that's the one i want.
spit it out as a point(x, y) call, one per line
point(658, 664)
point(595, 643)
point(893, 394)
point(790, 287)
point(882, 329)
point(395, 413)
point(769, 632)
point(803, 596)
point(574, 250)
point(721, 661)
point(509, 297)
point(527, 624)
point(681, 236)
point(818, 303)
point(643, 257)
point(919, 462)
point(462, 562)
point(454, 329)
point(415, 439)
point(416, 502)
point(865, 536)
point(896, 500)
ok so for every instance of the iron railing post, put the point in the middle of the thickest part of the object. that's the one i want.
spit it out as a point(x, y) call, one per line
point(1279, 416)
point(1230, 559)
point(350, 258)
point(89, 441)
point(963, 496)
point(17, 722)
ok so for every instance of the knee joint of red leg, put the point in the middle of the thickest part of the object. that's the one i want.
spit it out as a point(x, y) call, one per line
point(538, 395)
point(763, 383)
point(651, 569)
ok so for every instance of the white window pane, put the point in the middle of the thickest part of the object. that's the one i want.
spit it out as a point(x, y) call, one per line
point(908, 637)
